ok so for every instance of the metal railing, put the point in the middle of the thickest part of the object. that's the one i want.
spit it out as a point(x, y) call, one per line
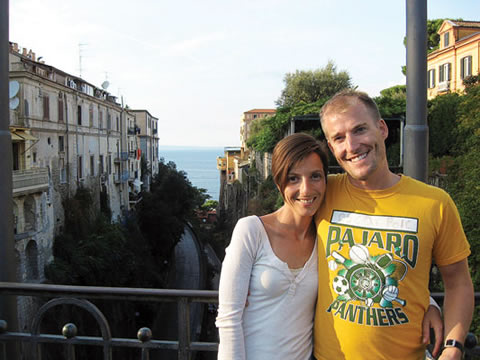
point(77, 296)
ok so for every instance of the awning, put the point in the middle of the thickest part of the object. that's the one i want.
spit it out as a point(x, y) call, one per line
point(15, 137)
point(25, 136)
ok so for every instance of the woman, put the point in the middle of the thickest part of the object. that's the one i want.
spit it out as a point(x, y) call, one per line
point(273, 259)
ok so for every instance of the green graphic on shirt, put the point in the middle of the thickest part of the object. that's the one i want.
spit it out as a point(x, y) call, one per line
point(366, 278)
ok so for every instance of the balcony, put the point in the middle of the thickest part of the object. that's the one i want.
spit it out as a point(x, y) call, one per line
point(443, 86)
point(133, 130)
point(122, 156)
point(30, 181)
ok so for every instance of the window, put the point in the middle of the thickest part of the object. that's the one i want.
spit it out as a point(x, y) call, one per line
point(118, 124)
point(444, 72)
point(446, 39)
point(109, 164)
point(90, 115)
point(100, 119)
point(431, 78)
point(61, 143)
point(60, 109)
point(92, 165)
point(466, 67)
point(46, 108)
point(79, 115)
point(63, 170)
point(109, 121)
point(80, 167)
point(100, 164)
point(25, 108)
point(34, 157)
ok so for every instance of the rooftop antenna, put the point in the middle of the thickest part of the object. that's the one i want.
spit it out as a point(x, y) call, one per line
point(80, 58)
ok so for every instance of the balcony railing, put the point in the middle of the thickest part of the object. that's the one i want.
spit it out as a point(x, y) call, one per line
point(29, 181)
point(77, 296)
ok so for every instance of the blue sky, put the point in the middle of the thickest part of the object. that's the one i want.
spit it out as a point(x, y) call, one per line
point(198, 65)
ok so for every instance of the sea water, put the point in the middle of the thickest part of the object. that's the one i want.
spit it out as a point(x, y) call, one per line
point(199, 163)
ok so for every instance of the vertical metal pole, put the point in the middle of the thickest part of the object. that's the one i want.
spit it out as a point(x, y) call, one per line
point(416, 130)
point(8, 309)
point(184, 329)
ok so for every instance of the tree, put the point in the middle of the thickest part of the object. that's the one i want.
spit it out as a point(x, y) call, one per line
point(392, 101)
point(210, 205)
point(311, 86)
point(442, 120)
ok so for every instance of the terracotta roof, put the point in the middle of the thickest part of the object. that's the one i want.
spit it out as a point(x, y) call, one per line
point(272, 111)
point(471, 24)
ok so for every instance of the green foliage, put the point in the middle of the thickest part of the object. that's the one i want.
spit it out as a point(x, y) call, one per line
point(164, 211)
point(305, 93)
point(209, 205)
point(470, 81)
point(392, 101)
point(310, 86)
point(269, 131)
point(463, 168)
point(267, 200)
point(442, 115)
point(395, 92)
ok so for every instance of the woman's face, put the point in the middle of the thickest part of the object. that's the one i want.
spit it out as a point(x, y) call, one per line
point(305, 186)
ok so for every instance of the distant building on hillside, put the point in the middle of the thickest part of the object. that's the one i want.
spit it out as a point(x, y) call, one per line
point(456, 59)
point(246, 122)
point(148, 136)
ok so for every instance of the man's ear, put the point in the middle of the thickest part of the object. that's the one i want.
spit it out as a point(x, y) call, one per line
point(383, 128)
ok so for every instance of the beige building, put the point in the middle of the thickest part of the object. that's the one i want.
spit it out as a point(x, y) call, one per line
point(67, 133)
point(148, 138)
point(456, 59)
point(246, 121)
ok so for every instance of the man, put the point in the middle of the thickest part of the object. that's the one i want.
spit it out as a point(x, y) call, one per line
point(380, 233)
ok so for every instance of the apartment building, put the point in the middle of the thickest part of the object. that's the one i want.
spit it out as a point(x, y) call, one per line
point(456, 59)
point(148, 138)
point(66, 133)
point(246, 121)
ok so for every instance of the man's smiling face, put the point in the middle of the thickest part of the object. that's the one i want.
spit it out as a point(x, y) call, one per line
point(357, 140)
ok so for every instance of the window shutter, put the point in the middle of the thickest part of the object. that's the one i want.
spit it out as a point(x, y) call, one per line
point(441, 75)
point(433, 78)
point(462, 68)
point(449, 71)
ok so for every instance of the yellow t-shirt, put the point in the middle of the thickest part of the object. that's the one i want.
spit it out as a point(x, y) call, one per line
point(375, 255)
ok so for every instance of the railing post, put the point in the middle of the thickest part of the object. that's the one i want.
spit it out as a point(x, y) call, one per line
point(184, 329)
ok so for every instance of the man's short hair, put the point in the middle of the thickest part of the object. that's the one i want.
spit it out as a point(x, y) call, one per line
point(343, 100)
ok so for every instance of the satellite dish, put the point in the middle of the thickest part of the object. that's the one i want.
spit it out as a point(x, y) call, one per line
point(105, 85)
point(13, 88)
point(14, 103)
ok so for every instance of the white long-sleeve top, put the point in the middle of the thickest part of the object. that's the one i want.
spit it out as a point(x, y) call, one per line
point(278, 322)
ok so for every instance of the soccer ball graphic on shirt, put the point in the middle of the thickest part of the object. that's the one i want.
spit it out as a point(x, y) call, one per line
point(340, 285)
point(371, 279)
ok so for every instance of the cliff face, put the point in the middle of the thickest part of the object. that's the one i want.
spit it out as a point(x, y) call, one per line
point(234, 197)
point(233, 202)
